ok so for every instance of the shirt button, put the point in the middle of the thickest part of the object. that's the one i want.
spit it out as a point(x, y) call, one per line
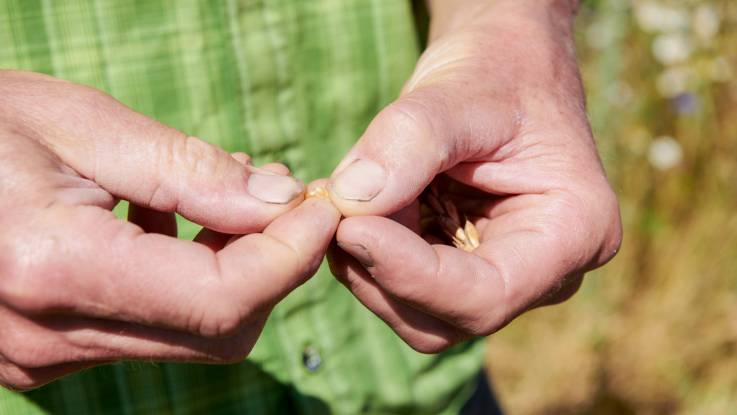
point(311, 358)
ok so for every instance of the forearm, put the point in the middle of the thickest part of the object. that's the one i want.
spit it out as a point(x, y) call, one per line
point(448, 16)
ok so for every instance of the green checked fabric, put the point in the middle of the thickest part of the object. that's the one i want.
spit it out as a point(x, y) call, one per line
point(290, 80)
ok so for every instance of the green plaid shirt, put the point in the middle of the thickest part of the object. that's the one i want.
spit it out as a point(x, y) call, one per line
point(289, 80)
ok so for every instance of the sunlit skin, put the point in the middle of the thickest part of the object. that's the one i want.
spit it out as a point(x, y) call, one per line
point(495, 103)
point(79, 287)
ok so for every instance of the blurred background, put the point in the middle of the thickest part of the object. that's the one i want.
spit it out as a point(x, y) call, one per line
point(655, 331)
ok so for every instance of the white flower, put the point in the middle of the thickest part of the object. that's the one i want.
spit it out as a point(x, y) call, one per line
point(653, 16)
point(705, 22)
point(671, 48)
point(665, 153)
point(673, 81)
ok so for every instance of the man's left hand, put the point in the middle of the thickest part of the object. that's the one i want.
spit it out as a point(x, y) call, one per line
point(496, 107)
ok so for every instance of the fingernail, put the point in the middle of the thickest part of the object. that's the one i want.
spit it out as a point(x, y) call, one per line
point(359, 252)
point(274, 188)
point(362, 180)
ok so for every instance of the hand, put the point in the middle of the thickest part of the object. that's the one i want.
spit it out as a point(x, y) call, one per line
point(494, 113)
point(79, 287)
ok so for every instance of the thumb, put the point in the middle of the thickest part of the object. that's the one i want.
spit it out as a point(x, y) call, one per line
point(424, 133)
point(402, 150)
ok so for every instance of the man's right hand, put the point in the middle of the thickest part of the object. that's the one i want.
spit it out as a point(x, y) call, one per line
point(79, 287)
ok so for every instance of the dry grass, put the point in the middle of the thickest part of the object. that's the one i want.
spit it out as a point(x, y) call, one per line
point(655, 331)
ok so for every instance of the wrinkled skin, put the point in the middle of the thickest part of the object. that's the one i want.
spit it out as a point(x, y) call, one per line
point(497, 107)
point(79, 287)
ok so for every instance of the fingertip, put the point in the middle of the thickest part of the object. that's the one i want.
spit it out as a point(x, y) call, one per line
point(398, 155)
point(274, 188)
point(369, 192)
point(242, 213)
point(360, 181)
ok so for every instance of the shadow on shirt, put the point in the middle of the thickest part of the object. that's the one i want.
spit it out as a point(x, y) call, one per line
point(169, 388)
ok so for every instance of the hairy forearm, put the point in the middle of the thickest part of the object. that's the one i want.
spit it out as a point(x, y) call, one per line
point(451, 15)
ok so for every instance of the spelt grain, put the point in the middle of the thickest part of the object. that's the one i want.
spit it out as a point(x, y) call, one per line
point(461, 231)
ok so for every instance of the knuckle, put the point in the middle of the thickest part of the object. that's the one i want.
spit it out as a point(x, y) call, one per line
point(613, 234)
point(407, 113)
point(24, 276)
point(235, 349)
point(568, 215)
point(188, 159)
point(219, 321)
point(603, 221)
point(17, 380)
point(485, 319)
point(565, 290)
point(430, 345)
point(294, 261)
point(483, 327)
point(24, 349)
point(221, 308)
point(18, 288)
point(611, 244)
point(587, 224)
point(19, 294)
point(481, 330)
point(200, 157)
point(24, 356)
point(417, 124)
